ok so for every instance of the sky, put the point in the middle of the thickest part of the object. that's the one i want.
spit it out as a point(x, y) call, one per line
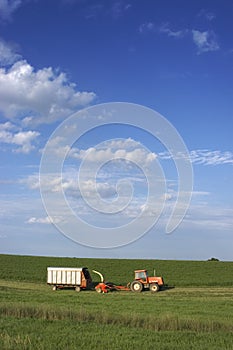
point(89, 92)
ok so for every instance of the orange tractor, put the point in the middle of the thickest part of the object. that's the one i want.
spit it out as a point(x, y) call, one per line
point(141, 282)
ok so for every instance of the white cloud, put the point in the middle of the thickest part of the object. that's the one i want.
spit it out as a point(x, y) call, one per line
point(105, 190)
point(110, 150)
point(69, 184)
point(119, 8)
point(23, 140)
point(147, 27)
point(207, 157)
point(200, 193)
point(43, 220)
point(7, 126)
point(205, 41)
point(204, 157)
point(7, 54)
point(138, 156)
point(58, 147)
point(32, 181)
point(127, 149)
point(42, 96)
point(209, 217)
point(171, 33)
point(7, 7)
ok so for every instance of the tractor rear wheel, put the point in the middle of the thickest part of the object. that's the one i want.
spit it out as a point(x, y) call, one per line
point(154, 287)
point(136, 286)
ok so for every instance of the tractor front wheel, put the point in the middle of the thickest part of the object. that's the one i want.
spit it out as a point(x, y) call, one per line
point(136, 286)
point(154, 287)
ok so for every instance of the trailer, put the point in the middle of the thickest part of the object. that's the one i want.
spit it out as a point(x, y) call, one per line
point(69, 277)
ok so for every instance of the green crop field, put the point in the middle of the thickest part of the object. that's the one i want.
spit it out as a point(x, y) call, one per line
point(194, 311)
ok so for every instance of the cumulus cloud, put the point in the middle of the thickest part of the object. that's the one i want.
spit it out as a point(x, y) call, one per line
point(110, 150)
point(23, 140)
point(7, 54)
point(205, 41)
point(69, 184)
point(38, 96)
point(139, 156)
point(7, 7)
point(128, 150)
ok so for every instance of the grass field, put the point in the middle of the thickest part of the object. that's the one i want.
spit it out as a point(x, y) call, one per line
point(194, 312)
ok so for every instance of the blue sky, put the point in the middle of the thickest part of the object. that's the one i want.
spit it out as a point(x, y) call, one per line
point(174, 57)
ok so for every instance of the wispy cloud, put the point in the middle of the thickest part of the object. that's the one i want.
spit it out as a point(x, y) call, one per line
point(207, 157)
point(115, 9)
point(208, 15)
point(43, 220)
point(7, 54)
point(146, 27)
point(205, 41)
point(165, 28)
point(8, 7)
point(209, 217)
point(204, 157)
point(119, 8)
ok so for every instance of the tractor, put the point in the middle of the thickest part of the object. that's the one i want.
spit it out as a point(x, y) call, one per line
point(143, 281)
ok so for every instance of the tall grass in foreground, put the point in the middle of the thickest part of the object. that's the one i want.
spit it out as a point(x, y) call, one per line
point(36, 334)
point(15, 342)
point(156, 323)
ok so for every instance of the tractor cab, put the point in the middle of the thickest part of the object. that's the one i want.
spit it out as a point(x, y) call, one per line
point(141, 275)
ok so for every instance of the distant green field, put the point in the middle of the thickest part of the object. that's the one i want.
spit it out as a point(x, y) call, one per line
point(195, 312)
point(175, 273)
